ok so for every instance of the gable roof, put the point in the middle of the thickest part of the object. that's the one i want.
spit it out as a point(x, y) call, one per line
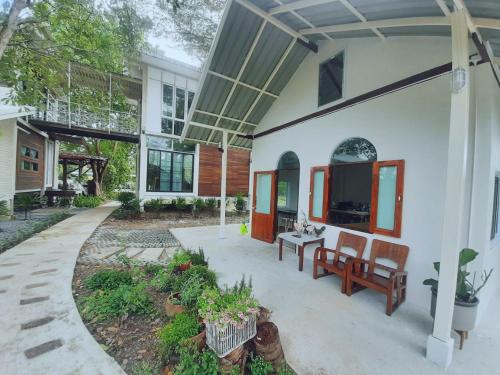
point(261, 43)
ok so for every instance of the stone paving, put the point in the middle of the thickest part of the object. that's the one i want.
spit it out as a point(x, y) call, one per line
point(41, 330)
point(146, 246)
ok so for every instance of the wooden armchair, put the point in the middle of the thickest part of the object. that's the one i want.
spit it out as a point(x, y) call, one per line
point(363, 273)
point(341, 261)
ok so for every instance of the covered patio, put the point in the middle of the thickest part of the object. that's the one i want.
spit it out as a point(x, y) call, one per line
point(326, 332)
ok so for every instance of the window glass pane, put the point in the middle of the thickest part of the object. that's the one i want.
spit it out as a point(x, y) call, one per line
point(25, 151)
point(177, 172)
point(166, 126)
point(386, 197)
point(168, 97)
point(33, 153)
point(180, 102)
point(153, 173)
point(282, 193)
point(187, 183)
point(354, 150)
point(190, 99)
point(319, 183)
point(34, 166)
point(179, 125)
point(165, 168)
point(331, 76)
point(263, 194)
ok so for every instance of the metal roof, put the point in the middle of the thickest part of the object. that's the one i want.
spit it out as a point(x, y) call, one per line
point(261, 43)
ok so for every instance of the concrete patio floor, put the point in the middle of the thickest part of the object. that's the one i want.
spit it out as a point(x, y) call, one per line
point(325, 332)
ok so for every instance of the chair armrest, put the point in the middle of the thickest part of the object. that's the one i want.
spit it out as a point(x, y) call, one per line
point(320, 250)
point(398, 276)
point(358, 263)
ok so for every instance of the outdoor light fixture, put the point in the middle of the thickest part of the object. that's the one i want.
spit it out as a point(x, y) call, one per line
point(458, 79)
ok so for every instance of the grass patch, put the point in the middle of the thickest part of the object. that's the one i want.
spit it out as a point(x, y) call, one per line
point(87, 201)
point(109, 279)
point(173, 335)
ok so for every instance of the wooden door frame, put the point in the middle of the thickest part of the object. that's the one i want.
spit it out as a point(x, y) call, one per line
point(274, 201)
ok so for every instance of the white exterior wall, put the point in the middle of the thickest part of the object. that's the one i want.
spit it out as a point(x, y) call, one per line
point(8, 153)
point(157, 72)
point(411, 124)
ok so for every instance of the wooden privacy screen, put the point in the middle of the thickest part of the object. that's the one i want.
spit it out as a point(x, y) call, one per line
point(238, 169)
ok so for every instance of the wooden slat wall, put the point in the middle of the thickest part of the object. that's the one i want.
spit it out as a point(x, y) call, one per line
point(29, 180)
point(238, 170)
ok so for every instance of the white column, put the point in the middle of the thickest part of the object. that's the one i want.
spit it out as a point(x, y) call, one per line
point(222, 232)
point(440, 345)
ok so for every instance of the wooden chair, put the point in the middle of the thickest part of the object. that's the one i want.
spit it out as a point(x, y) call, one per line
point(363, 273)
point(341, 261)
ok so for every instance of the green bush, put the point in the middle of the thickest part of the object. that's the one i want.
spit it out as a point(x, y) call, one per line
point(259, 366)
point(163, 281)
point(87, 201)
point(286, 370)
point(240, 203)
point(26, 202)
point(174, 334)
point(211, 205)
point(126, 198)
point(154, 205)
point(198, 257)
point(180, 204)
point(180, 257)
point(152, 269)
point(4, 210)
point(198, 205)
point(64, 202)
point(108, 279)
point(129, 209)
point(145, 368)
point(199, 272)
point(106, 304)
point(192, 362)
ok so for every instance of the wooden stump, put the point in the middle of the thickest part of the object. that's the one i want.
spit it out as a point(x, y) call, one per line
point(268, 345)
point(238, 357)
point(263, 315)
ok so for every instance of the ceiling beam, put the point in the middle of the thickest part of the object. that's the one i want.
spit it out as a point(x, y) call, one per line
point(387, 23)
point(224, 117)
point(280, 25)
point(296, 5)
point(213, 128)
point(444, 7)
point(234, 80)
point(487, 23)
point(362, 18)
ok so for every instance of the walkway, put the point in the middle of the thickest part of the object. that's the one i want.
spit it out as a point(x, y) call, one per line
point(325, 332)
point(41, 330)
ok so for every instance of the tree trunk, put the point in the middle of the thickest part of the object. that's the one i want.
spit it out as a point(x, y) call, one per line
point(268, 345)
point(11, 25)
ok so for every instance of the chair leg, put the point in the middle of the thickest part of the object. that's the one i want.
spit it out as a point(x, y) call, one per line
point(348, 285)
point(315, 269)
point(388, 309)
point(343, 285)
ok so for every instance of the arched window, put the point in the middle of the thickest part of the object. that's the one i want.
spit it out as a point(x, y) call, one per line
point(358, 192)
point(288, 190)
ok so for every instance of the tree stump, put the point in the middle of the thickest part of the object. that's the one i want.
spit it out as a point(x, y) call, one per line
point(263, 315)
point(268, 345)
point(238, 357)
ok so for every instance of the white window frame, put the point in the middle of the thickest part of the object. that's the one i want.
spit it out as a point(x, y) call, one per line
point(342, 98)
point(173, 118)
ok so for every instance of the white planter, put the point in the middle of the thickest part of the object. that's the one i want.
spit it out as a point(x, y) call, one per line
point(224, 341)
point(464, 314)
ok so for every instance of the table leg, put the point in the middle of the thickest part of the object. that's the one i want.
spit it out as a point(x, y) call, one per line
point(301, 258)
point(281, 249)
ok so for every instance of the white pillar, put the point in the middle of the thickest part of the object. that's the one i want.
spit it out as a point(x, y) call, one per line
point(222, 232)
point(440, 345)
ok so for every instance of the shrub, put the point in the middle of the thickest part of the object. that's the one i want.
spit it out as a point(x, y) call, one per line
point(173, 335)
point(125, 198)
point(152, 269)
point(198, 257)
point(180, 257)
point(154, 205)
point(286, 370)
point(87, 201)
point(4, 210)
point(126, 299)
point(240, 203)
point(199, 272)
point(145, 368)
point(211, 205)
point(26, 202)
point(64, 202)
point(192, 362)
point(108, 279)
point(163, 281)
point(129, 210)
point(259, 366)
point(198, 205)
point(180, 204)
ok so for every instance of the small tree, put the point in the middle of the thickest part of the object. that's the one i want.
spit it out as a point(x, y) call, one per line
point(26, 202)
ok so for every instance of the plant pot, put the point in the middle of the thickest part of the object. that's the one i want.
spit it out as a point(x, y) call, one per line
point(464, 314)
point(200, 340)
point(172, 309)
point(185, 266)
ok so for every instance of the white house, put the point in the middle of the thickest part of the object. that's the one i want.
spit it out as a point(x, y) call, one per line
point(168, 168)
point(373, 117)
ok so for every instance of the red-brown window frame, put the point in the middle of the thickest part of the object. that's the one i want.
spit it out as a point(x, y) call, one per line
point(326, 190)
point(398, 210)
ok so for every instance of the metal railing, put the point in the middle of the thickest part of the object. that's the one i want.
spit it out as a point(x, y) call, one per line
point(78, 115)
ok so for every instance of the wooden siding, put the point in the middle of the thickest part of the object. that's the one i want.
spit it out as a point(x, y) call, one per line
point(238, 169)
point(30, 180)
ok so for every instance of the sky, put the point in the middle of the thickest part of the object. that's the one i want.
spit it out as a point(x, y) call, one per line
point(173, 49)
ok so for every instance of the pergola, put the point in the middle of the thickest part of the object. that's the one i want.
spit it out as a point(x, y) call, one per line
point(78, 161)
point(261, 43)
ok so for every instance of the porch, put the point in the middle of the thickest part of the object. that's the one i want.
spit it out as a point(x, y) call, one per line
point(326, 332)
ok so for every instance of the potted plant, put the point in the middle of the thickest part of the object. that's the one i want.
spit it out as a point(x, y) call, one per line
point(229, 315)
point(181, 261)
point(466, 300)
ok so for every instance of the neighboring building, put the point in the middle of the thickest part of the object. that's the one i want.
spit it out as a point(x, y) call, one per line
point(169, 169)
point(357, 132)
point(28, 157)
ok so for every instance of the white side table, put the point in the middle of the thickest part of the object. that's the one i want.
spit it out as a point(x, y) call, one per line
point(300, 242)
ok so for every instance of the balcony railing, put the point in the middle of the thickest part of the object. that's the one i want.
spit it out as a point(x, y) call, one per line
point(77, 115)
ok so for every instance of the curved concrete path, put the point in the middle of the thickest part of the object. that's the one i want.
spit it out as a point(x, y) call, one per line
point(41, 331)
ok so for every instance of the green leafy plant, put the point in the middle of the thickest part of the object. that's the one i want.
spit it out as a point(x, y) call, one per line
point(153, 269)
point(4, 210)
point(64, 202)
point(26, 202)
point(180, 204)
point(145, 368)
point(466, 290)
point(198, 257)
point(126, 299)
point(211, 205)
point(174, 334)
point(130, 208)
point(154, 205)
point(198, 205)
point(231, 306)
point(240, 203)
point(87, 201)
point(108, 279)
point(163, 281)
point(193, 362)
point(180, 257)
point(125, 198)
point(259, 366)
point(199, 272)
point(286, 370)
